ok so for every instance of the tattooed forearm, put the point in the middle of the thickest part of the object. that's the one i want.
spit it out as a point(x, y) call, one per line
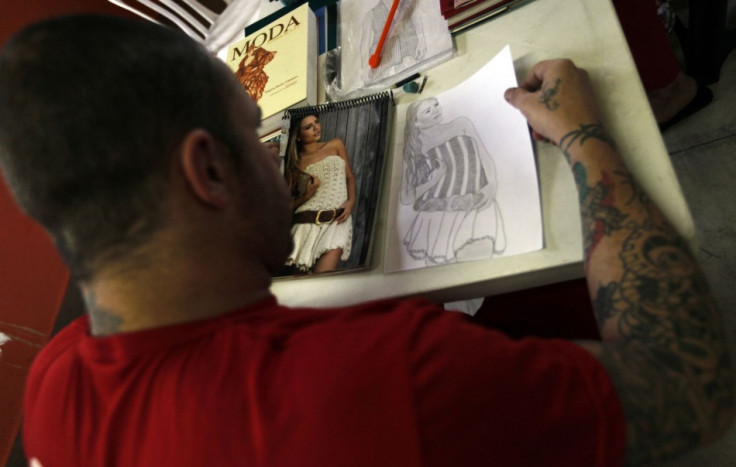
point(599, 212)
point(664, 346)
point(670, 362)
point(582, 135)
point(637, 194)
point(547, 96)
point(104, 321)
point(600, 216)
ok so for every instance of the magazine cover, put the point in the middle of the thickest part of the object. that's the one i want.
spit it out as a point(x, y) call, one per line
point(277, 64)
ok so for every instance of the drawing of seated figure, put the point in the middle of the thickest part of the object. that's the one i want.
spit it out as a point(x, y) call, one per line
point(405, 45)
point(450, 181)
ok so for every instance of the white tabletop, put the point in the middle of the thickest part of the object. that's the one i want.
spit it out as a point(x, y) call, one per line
point(588, 32)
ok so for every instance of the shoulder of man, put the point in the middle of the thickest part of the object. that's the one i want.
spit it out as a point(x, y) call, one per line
point(62, 344)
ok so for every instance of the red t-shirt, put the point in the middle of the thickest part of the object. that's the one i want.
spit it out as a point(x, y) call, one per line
point(399, 383)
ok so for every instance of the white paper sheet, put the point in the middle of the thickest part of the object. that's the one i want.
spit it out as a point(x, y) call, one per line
point(418, 39)
point(443, 208)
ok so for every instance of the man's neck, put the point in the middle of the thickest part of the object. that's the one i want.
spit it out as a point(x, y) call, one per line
point(108, 315)
point(165, 294)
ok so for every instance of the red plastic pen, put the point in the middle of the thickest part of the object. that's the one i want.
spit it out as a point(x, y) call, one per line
point(375, 59)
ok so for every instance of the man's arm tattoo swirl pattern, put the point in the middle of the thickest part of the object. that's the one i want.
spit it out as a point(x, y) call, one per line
point(669, 361)
point(668, 334)
point(599, 213)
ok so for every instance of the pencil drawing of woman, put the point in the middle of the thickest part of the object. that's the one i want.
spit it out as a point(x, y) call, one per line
point(450, 181)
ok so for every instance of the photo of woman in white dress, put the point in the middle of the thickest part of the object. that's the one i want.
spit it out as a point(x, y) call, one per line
point(322, 185)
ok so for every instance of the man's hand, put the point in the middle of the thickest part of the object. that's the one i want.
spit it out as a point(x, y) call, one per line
point(556, 98)
point(662, 340)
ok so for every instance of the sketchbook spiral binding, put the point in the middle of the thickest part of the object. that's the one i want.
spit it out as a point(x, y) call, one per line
point(333, 106)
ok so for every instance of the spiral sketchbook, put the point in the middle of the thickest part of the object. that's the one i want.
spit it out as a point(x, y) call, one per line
point(363, 124)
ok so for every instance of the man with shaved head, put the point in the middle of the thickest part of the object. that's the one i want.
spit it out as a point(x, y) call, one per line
point(138, 153)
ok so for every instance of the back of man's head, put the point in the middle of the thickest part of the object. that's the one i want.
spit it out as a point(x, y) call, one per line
point(91, 110)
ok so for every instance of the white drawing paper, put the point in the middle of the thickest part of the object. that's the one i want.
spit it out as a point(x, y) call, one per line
point(417, 39)
point(465, 182)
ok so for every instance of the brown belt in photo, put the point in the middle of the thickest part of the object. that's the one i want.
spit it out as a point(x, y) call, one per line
point(324, 216)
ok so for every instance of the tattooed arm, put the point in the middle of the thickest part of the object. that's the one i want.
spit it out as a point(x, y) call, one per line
point(662, 340)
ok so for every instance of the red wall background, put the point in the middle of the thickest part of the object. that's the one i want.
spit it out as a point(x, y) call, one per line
point(33, 278)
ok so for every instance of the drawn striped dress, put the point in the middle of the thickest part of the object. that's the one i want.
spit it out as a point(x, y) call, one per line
point(446, 213)
point(459, 188)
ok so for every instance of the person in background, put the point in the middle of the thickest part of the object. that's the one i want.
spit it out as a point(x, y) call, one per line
point(138, 152)
point(673, 94)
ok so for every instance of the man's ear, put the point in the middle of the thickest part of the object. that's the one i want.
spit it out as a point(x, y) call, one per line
point(205, 168)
